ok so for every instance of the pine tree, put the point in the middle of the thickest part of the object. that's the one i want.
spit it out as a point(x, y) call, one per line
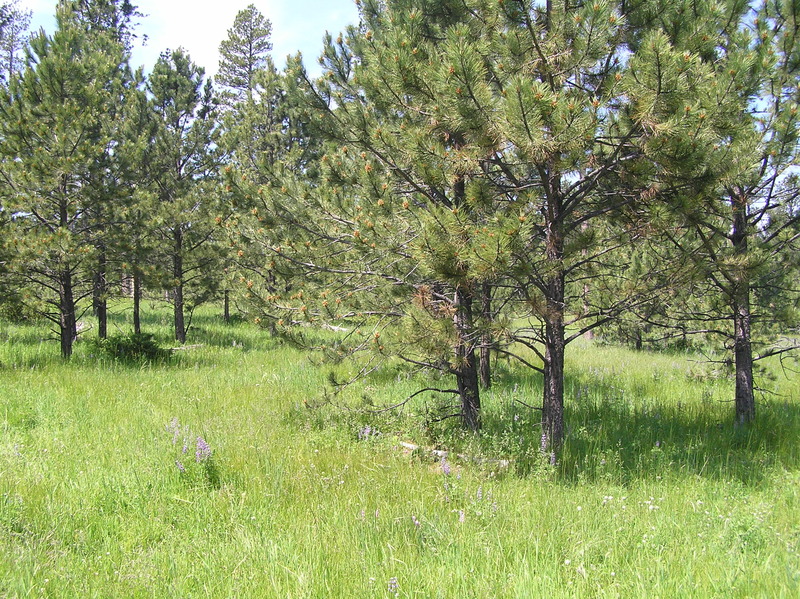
point(474, 144)
point(734, 150)
point(55, 127)
point(182, 160)
point(114, 18)
point(136, 249)
point(14, 23)
point(244, 53)
point(110, 22)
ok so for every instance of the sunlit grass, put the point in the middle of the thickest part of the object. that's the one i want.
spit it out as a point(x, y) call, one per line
point(656, 493)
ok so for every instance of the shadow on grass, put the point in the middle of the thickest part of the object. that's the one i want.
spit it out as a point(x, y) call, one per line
point(616, 436)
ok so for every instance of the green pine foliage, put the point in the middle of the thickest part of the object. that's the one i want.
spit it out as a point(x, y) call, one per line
point(471, 145)
point(244, 53)
point(182, 160)
point(14, 22)
point(724, 152)
point(57, 125)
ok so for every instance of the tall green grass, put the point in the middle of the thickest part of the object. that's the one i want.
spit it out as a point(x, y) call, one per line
point(656, 493)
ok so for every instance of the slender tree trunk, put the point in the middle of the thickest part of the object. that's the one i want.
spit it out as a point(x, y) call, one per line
point(67, 324)
point(68, 327)
point(555, 342)
point(99, 301)
point(553, 400)
point(486, 338)
point(226, 309)
point(742, 347)
point(177, 291)
point(745, 398)
point(137, 301)
point(467, 364)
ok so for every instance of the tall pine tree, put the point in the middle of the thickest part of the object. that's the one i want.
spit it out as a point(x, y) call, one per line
point(182, 159)
point(244, 52)
point(14, 23)
point(734, 150)
point(56, 126)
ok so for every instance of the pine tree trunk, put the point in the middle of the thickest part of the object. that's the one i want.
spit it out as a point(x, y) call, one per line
point(67, 325)
point(177, 291)
point(467, 369)
point(745, 398)
point(486, 338)
point(742, 347)
point(553, 400)
point(100, 304)
point(226, 310)
point(555, 342)
point(467, 364)
point(588, 335)
point(137, 301)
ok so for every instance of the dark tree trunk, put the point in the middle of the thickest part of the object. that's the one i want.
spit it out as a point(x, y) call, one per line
point(137, 301)
point(177, 291)
point(226, 309)
point(99, 292)
point(554, 342)
point(745, 399)
point(466, 361)
point(553, 400)
point(67, 324)
point(742, 347)
point(486, 337)
point(588, 335)
point(467, 365)
point(68, 327)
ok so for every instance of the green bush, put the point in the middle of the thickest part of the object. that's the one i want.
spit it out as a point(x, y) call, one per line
point(133, 348)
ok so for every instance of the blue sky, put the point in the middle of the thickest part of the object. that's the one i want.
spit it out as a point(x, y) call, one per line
point(200, 25)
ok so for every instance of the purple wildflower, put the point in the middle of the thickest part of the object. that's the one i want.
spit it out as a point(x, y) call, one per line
point(180, 466)
point(175, 428)
point(393, 586)
point(658, 443)
point(461, 516)
point(203, 450)
point(445, 467)
point(415, 521)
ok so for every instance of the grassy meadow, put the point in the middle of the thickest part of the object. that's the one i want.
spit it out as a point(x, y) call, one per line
point(656, 493)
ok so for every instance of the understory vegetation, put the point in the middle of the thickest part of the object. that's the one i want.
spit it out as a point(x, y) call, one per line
point(232, 471)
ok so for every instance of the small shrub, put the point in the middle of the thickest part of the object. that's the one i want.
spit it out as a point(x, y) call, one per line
point(133, 348)
point(13, 309)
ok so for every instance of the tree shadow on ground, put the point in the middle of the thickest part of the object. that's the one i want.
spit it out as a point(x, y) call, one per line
point(613, 435)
